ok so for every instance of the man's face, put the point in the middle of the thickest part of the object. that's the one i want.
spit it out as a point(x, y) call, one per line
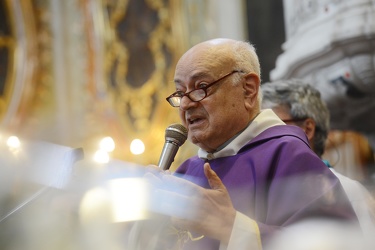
point(308, 125)
point(222, 114)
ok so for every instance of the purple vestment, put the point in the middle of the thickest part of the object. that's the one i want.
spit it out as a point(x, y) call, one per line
point(275, 179)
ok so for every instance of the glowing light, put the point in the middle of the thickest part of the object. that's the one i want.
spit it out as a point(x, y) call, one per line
point(101, 156)
point(129, 199)
point(95, 205)
point(137, 147)
point(121, 200)
point(107, 144)
point(13, 142)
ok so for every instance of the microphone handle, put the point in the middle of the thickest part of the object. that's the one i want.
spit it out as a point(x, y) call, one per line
point(167, 155)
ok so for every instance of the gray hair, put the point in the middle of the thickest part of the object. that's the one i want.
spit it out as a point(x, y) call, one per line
point(241, 54)
point(303, 101)
point(246, 58)
point(221, 51)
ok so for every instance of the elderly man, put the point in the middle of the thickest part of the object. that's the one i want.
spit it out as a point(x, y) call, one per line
point(253, 174)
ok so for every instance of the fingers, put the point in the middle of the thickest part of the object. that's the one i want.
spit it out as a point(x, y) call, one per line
point(154, 175)
point(214, 180)
point(175, 204)
point(187, 187)
point(180, 185)
point(153, 169)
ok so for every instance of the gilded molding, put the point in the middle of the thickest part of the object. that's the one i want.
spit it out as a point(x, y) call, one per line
point(140, 62)
point(21, 47)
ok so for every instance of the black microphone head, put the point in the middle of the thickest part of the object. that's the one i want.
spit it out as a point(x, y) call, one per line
point(176, 133)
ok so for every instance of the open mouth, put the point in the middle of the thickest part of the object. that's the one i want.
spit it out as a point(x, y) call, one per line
point(193, 121)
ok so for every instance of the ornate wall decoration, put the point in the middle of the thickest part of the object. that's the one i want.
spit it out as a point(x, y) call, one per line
point(331, 43)
point(6, 49)
point(80, 70)
point(75, 71)
point(139, 64)
point(17, 63)
point(303, 14)
point(139, 59)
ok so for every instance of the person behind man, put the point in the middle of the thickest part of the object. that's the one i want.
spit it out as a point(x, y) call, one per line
point(253, 174)
point(298, 103)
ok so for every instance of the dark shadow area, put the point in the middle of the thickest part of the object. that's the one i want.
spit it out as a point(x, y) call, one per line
point(265, 21)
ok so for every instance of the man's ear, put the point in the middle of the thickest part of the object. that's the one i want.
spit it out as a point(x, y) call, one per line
point(309, 127)
point(251, 89)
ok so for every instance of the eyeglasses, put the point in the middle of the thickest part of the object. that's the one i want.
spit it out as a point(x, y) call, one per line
point(195, 95)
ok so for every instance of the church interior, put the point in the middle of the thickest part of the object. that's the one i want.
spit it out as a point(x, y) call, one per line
point(83, 84)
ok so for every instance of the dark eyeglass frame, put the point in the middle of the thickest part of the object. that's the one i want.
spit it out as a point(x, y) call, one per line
point(179, 94)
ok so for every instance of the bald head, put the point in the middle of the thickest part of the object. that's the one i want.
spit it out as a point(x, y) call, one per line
point(222, 53)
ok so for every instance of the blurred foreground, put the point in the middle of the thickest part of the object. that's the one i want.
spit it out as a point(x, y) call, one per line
point(54, 197)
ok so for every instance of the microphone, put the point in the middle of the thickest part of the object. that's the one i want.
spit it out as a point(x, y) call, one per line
point(175, 136)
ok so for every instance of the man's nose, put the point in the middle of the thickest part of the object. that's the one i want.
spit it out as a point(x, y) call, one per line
point(186, 103)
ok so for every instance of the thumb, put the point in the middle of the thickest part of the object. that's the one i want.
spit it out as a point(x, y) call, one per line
point(214, 180)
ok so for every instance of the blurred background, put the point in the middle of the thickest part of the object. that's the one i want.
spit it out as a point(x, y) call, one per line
point(94, 74)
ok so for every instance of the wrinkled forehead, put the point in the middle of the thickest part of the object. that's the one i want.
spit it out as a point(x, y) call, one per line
point(204, 58)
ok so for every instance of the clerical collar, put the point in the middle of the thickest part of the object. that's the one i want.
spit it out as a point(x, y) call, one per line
point(234, 137)
point(264, 120)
